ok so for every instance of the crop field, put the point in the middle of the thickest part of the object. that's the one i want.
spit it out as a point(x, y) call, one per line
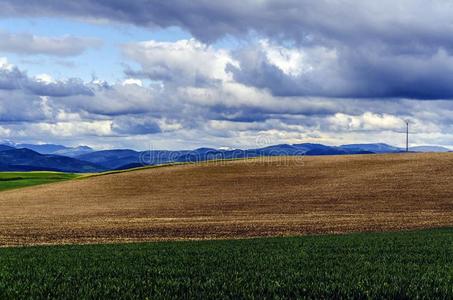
point(279, 196)
point(406, 265)
point(13, 180)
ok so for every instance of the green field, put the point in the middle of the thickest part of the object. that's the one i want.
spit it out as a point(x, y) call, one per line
point(12, 180)
point(415, 264)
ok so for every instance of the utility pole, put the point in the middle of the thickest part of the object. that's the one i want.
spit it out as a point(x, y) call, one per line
point(407, 135)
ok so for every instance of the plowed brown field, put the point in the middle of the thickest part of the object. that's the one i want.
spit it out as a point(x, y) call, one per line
point(246, 198)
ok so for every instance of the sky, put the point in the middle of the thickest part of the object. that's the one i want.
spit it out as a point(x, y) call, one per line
point(180, 74)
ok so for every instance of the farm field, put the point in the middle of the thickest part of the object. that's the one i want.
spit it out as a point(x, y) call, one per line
point(405, 265)
point(278, 196)
point(13, 180)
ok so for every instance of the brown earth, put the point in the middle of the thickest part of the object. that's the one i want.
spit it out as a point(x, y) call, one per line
point(246, 198)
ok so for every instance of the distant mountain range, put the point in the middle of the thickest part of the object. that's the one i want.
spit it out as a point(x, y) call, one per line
point(51, 149)
point(374, 148)
point(28, 160)
point(429, 149)
point(83, 159)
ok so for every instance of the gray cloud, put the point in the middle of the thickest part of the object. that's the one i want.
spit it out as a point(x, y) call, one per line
point(349, 73)
point(179, 63)
point(29, 44)
point(382, 50)
point(15, 79)
point(135, 125)
point(17, 106)
point(110, 100)
point(406, 23)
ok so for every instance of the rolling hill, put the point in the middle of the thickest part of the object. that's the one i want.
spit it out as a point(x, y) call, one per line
point(123, 159)
point(5, 147)
point(270, 196)
point(429, 149)
point(48, 148)
point(28, 160)
point(375, 148)
point(111, 159)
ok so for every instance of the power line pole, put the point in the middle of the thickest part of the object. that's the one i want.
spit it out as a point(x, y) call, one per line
point(407, 135)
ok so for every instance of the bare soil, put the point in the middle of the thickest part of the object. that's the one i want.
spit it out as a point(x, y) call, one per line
point(236, 199)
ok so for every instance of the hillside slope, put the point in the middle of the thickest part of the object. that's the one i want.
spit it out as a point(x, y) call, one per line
point(29, 160)
point(246, 198)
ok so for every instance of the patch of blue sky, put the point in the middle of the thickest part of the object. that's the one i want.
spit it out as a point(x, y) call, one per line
point(105, 62)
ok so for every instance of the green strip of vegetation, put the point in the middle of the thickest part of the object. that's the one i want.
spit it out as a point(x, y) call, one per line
point(401, 265)
point(13, 180)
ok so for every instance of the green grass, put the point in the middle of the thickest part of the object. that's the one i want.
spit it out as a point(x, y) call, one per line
point(415, 264)
point(13, 180)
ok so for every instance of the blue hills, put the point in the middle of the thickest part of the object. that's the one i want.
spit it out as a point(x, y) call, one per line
point(83, 159)
point(375, 148)
point(28, 160)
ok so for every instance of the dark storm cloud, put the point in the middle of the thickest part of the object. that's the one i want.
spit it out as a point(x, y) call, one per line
point(400, 23)
point(354, 73)
point(194, 16)
point(15, 79)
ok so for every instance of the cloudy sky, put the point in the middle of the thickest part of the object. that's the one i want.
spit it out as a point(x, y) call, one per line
point(183, 74)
